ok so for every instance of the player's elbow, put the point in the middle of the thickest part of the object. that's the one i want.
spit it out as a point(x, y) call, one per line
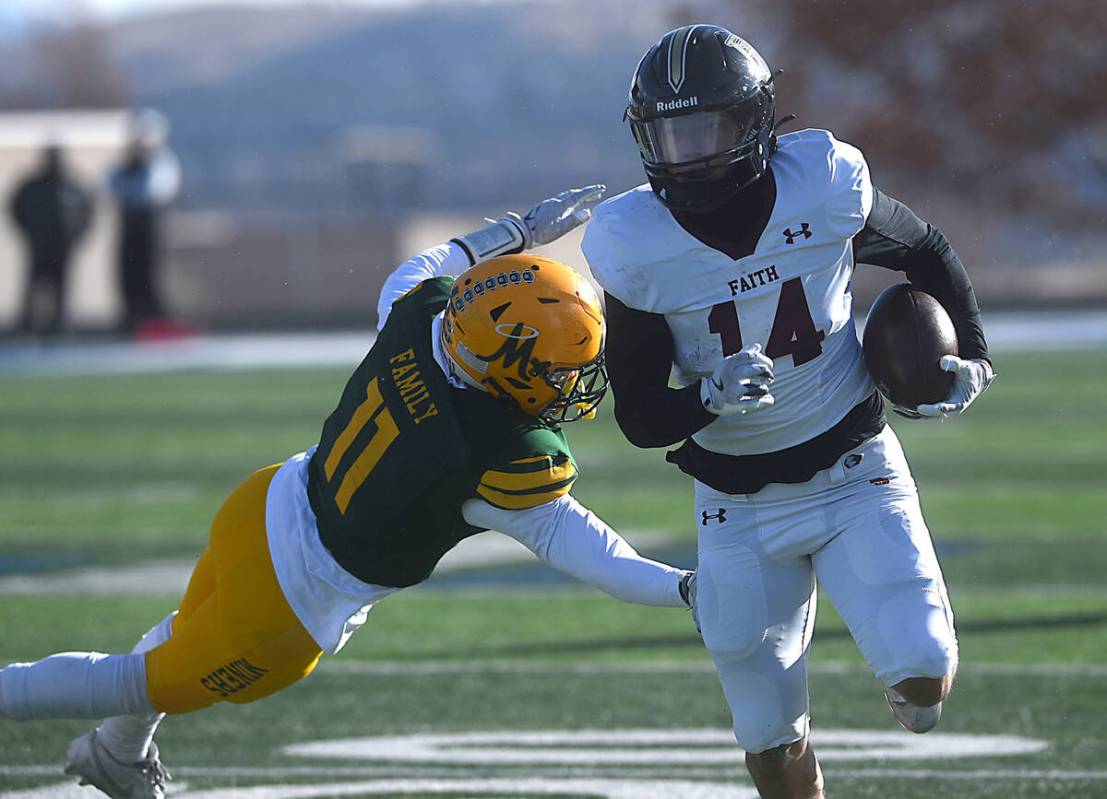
point(640, 429)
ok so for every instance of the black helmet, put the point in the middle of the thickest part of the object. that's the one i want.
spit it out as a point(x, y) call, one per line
point(702, 111)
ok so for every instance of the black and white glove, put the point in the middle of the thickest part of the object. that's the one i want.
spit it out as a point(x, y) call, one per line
point(545, 222)
point(970, 378)
point(688, 594)
point(740, 384)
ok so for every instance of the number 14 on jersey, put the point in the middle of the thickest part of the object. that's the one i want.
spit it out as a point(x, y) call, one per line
point(793, 330)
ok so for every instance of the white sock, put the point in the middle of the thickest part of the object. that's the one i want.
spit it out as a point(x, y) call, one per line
point(128, 738)
point(74, 685)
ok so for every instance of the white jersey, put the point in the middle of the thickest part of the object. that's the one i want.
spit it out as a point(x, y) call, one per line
point(791, 294)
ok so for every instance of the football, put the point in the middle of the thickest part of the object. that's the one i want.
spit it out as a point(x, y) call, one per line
point(906, 332)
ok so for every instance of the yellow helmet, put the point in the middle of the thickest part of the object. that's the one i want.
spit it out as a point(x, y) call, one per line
point(530, 332)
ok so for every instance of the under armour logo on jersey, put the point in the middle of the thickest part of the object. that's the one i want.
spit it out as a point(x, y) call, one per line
point(805, 231)
point(720, 516)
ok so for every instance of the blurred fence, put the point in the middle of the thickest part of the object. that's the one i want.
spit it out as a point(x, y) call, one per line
point(228, 269)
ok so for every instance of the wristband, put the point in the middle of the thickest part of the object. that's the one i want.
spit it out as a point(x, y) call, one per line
point(499, 238)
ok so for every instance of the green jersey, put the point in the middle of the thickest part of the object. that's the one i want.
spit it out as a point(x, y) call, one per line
point(404, 449)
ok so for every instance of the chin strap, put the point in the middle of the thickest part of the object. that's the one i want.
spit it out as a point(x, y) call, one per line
point(784, 120)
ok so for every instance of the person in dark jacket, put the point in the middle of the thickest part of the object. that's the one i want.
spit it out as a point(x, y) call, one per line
point(52, 212)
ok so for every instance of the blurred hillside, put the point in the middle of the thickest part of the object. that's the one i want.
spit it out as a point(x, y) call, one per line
point(519, 100)
point(990, 119)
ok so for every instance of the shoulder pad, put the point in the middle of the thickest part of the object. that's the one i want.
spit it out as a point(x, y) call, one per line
point(830, 171)
point(628, 236)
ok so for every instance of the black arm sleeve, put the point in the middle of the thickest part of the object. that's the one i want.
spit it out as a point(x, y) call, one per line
point(639, 357)
point(896, 239)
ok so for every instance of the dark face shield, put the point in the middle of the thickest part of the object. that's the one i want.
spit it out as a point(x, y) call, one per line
point(697, 161)
point(694, 141)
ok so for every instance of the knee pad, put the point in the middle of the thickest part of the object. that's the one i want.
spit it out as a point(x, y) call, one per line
point(732, 612)
point(918, 637)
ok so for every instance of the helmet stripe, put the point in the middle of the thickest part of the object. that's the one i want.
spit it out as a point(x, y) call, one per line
point(678, 54)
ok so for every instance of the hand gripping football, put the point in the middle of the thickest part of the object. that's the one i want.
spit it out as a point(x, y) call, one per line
point(906, 333)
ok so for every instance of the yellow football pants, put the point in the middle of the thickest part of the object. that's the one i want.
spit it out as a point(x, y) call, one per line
point(234, 637)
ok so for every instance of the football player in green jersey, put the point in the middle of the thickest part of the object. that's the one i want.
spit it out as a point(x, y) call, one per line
point(450, 426)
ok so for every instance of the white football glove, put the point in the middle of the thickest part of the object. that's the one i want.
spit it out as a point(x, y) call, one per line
point(688, 594)
point(545, 222)
point(740, 384)
point(970, 378)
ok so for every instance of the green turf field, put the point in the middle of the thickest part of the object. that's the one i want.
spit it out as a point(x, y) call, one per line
point(112, 471)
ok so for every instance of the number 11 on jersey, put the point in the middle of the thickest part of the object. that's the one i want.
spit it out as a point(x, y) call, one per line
point(793, 332)
point(372, 410)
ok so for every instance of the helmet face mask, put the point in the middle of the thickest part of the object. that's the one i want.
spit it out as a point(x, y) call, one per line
point(702, 111)
point(529, 331)
point(580, 391)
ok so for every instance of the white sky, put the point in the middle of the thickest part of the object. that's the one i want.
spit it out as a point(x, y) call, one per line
point(113, 8)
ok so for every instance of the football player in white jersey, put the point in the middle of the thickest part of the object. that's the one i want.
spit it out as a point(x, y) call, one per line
point(730, 270)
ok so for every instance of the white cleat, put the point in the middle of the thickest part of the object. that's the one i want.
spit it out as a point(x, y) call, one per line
point(912, 717)
point(90, 760)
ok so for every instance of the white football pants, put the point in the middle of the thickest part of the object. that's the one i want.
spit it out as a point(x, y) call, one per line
point(856, 528)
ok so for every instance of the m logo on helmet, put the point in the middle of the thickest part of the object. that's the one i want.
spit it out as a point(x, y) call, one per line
point(518, 348)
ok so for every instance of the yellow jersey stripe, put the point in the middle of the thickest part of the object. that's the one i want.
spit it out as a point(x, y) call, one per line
point(548, 474)
point(536, 463)
point(522, 501)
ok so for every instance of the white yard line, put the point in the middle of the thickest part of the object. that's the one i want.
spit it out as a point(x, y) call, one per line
point(285, 772)
point(340, 665)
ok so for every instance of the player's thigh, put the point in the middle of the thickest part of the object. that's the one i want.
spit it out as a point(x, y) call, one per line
point(882, 575)
point(201, 585)
point(756, 614)
point(241, 641)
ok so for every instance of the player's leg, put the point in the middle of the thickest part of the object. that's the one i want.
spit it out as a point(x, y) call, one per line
point(91, 685)
point(790, 771)
point(882, 575)
point(757, 612)
point(242, 641)
point(234, 634)
point(129, 737)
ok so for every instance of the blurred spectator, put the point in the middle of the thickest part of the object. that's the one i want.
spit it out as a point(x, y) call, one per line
point(52, 212)
point(144, 185)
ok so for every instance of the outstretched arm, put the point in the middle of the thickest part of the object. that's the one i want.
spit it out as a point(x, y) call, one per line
point(444, 259)
point(545, 222)
point(572, 539)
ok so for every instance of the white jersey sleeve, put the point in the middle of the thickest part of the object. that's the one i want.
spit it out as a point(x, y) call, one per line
point(569, 537)
point(444, 259)
point(850, 191)
point(617, 244)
